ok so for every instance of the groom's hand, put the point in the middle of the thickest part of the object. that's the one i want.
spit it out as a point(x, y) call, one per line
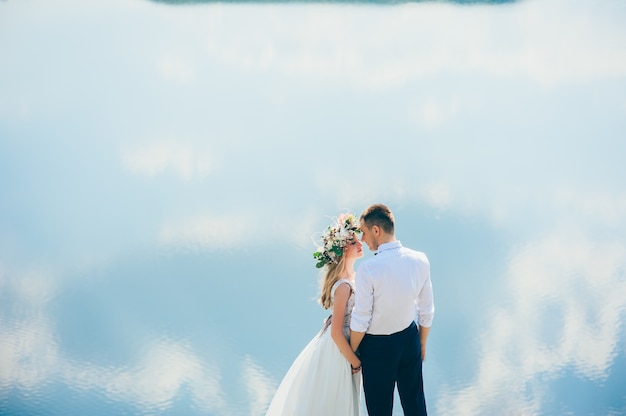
point(424, 331)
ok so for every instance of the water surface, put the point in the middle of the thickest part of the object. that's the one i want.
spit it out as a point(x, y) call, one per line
point(163, 166)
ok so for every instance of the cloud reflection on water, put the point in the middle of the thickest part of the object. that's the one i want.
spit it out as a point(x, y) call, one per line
point(31, 359)
point(366, 2)
point(162, 156)
point(527, 44)
point(155, 381)
point(567, 283)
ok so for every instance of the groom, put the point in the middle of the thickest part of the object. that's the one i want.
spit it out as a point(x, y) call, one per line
point(390, 288)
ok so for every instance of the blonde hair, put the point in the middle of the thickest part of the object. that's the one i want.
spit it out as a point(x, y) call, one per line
point(331, 276)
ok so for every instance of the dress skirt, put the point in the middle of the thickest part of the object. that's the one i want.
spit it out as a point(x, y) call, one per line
point(319, 383)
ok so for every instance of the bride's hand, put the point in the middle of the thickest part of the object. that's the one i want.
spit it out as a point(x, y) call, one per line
point(355, 369)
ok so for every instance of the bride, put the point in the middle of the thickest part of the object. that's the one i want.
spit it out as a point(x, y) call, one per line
point(325, 378)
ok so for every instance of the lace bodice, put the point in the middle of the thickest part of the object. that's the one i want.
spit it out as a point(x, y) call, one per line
point(349, 307)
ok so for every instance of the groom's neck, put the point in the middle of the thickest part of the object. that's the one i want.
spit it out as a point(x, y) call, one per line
point(386, 238)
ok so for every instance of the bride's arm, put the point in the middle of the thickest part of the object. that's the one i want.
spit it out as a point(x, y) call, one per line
point(342, 293)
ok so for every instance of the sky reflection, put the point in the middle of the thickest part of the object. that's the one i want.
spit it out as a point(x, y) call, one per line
point(162, 171)
point(565, 312)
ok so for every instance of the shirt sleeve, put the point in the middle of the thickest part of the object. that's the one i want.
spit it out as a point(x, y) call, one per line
point(425, 304)
point(363, 301)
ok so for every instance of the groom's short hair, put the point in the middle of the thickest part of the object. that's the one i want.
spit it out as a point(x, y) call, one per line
point(379, 214)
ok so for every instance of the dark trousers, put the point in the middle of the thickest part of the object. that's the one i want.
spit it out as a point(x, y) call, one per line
point(388, 360)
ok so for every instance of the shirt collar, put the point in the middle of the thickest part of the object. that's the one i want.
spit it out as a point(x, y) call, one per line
point(389, 246)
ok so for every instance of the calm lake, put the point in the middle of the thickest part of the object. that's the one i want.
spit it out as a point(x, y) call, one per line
point(165, 165)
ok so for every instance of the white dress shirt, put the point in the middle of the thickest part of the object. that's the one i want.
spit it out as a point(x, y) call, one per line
point(393, 288)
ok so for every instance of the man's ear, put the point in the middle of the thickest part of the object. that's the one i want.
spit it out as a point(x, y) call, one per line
point(375, 230)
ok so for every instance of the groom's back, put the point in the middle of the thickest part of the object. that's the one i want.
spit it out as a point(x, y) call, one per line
point(397, 278)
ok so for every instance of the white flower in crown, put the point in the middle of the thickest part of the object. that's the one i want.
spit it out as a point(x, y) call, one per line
point(335, 239)
point(343, 234)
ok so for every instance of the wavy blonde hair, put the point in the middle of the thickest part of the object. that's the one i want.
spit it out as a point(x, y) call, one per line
point(331, 276)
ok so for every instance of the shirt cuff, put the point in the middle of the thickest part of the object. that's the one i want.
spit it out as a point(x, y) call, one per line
point(357, 327)
point(425, 320)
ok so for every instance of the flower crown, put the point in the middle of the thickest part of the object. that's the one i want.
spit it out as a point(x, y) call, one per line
point(335, 240)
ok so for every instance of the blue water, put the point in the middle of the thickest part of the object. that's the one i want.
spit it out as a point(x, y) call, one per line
point(164, 165)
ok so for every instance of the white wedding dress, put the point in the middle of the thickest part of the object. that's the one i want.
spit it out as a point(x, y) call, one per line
point(320, 381)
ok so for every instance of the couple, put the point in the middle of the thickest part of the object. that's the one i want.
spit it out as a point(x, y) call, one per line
point(372, 329)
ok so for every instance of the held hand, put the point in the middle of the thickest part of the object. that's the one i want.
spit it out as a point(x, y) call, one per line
point(355, 369)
